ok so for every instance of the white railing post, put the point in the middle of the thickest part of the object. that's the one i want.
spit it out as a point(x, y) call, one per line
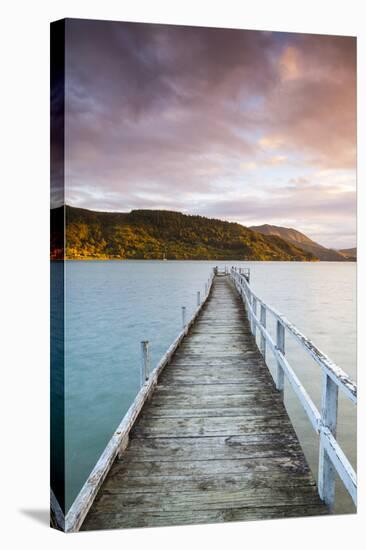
point(263, 338)
point(329, 407)
point(280, 342)
point(254, 325)
point(246, 274)
point(145, 361)
point(249, 296)
point(198, 298)
point(184, 317)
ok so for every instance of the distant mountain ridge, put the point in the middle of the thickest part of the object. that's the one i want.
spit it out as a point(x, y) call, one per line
point(154, 234)
point(300, 240)
point(350, 253)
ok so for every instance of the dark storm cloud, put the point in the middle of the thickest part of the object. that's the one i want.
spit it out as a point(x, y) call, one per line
point(143, 67)
point(151, 102)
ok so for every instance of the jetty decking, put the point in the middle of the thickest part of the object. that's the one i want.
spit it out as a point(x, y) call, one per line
point(214, 442)
point(207, 437)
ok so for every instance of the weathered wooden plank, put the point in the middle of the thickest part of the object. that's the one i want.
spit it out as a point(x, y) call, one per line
point(190, 378)
point(209, 349)
point(249, 367)
point(203, 337)
point(221, 327)
point(238, 388)
point(218, 392)
point(214, 442)
point(204, 448)
point(208, 331)
point(130, 519)
point(213, 357)
point(191, 482)
point(205, 499)
point(220, 401)
point(242, 365)
point(212, 363)
point(209, 426)
point(251, 376)
point(249, 410)
point(131, 467)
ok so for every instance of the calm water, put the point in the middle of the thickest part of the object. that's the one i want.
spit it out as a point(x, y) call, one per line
point(111, 306)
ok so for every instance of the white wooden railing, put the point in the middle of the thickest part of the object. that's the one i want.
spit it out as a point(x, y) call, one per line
point(331, 457)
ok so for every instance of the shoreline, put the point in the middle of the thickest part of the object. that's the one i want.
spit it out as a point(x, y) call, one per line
point(196, 260)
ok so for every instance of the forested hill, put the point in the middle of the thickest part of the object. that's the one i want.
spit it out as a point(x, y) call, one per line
point(155, 234)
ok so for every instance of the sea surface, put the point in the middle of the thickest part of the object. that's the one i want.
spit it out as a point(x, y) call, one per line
point(111, 306)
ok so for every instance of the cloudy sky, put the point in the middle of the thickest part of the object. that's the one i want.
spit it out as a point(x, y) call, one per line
point(248, 126)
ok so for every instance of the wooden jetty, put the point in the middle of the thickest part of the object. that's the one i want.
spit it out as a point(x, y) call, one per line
point(208, 438)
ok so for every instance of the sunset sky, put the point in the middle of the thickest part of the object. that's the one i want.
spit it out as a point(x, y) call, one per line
point(247, 126)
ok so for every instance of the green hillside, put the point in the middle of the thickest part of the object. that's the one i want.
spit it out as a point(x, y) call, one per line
point(153, 234)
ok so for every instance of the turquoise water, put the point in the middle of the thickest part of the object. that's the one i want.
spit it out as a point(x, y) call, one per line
point(111, 306)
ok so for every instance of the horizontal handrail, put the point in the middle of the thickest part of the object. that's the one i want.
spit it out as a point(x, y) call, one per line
point(119, 440)
point(331, 456)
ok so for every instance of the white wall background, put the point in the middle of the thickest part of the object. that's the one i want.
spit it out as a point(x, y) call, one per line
point(24, 309)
